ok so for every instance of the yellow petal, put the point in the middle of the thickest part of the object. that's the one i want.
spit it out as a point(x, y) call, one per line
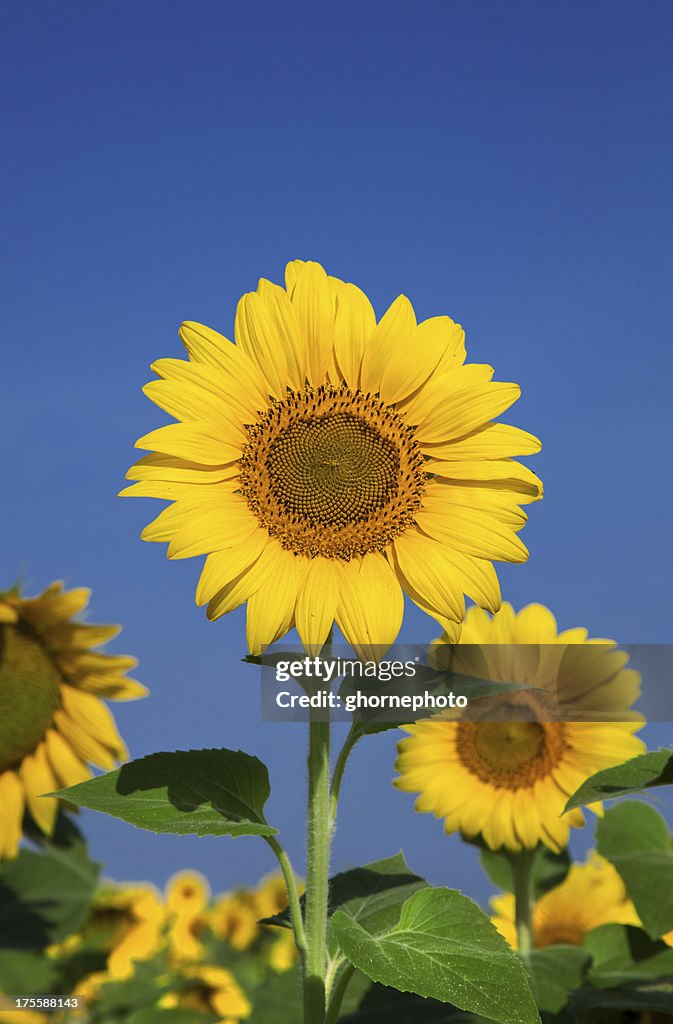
point(221, 567)
point(496, 441)
point(66, 766)
point(206, 346)
point(8, 613)
point(12, 802)
point(247, 583)
point(292, 272)
point(38, 779)
point(199, 526)
point(112, 687)
point(186, 401)
point(474, 533)
point(79, 636)
point(197, 442)
point(270, 612)
point(433, 577)
point(239, 387)
point(371, 606)
point(55, 605)
point(90, 714)
point(282, 320)
point(83, 743)
point(440, 387)
point(478, 578)
point(463, 411)
point(317, 603)
point(410, 364)
point(519, 477)
point(255, 335)
point(392, 331)
point(158, 467)
point(354, 324)
point(314, 308)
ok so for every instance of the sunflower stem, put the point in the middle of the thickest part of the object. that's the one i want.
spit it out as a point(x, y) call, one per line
point(292, 895)
point(317, 870)
point(339, 769)
point(337, 995)
point(522, 871)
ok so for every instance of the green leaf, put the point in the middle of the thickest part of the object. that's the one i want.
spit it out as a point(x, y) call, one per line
point(556, 972)
point(589, 1005)
point(373, 894)
point(46, 896)
point(635, 838)
point(383, 1005)
point(623, 954)
point(174, 1015)
point(278, 1000)
point(201, 792)
point(443, 947)
point(642, 772)
point(26, 973)
point(549, 868)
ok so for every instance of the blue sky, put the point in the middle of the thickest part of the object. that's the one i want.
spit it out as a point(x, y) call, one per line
point(509, 165)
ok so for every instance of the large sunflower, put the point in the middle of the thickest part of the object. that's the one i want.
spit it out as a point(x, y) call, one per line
point(326, 463)
point(53, 722)
point(591, 894)
point(509, 780)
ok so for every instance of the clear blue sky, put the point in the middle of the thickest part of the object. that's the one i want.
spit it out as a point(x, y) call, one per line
point(508, 164)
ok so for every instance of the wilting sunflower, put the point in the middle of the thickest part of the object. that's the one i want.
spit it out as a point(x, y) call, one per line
point(53, 722)
point(508, 776)
point(326, 463)
point(591, 894)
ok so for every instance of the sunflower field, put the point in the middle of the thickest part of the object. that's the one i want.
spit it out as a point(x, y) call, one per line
point(332, 469)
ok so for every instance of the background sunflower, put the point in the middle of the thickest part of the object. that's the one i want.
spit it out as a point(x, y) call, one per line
point(508, 778)
point(53, 722)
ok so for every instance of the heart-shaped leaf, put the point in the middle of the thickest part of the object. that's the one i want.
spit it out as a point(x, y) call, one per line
point(636, 839)
point(443, 947)
point(201, 792)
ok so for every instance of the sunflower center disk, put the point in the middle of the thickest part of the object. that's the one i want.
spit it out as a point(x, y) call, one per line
point(29, 693)
point(510, 755)
point(332, 472)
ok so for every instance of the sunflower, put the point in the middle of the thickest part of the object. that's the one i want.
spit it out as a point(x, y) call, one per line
point(53, 722)
point(210, 989)
point(509, 780)
point(234, 919)
point(187, 899)
point(591, 894)
point(128, 921)
point(325, 463)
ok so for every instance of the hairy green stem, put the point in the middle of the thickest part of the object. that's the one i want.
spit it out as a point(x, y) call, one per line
point(317, 871)
point(339, 769)
point(522, 870)
point(337, 995)
point(292, 895)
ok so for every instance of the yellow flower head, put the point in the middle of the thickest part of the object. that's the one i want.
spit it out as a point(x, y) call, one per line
point(210, 989)
point(129, 921)
point(187, 898)
point(326, 463)
point(509, 780)
point(271, 896)
point(591, 894)
point(234, 918)
point(53, 722)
